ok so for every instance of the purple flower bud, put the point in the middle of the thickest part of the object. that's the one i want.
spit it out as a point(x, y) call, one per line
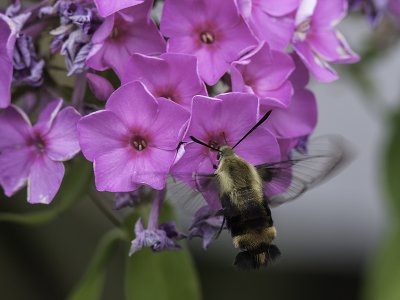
point(302, 144)
point(75, 50)
point(162, 238)
point(99, 86)
point(28, 69)
point(157, 237)
point(205, 225)
point(78, 21)
point(13, 9)
point(374, 9)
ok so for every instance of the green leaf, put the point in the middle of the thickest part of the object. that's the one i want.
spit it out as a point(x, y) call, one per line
point(90, 287)
point(167, 275)
point(73, 188)
point(383, 281)
point(392, 165)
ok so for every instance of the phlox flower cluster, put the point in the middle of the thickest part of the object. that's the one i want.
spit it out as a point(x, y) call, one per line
point(163, 72)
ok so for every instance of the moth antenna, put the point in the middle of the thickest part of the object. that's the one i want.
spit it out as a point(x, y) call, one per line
point(262, 120)
point(220, 229)
point(180, 144)
point(202, 143)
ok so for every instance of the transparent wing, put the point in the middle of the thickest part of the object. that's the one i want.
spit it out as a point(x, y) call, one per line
point(194, 192)
point(286, 180)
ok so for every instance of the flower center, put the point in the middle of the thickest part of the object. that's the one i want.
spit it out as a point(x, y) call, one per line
point(207, 37)
point(213, 144)
point(114, 33)
point(38, 142)
point(138, 142)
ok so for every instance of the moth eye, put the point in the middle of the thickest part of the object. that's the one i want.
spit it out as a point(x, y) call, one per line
point(218, 156)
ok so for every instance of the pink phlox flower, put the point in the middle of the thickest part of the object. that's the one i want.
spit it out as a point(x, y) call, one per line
point(123, 33)
point(223, 121)
point(300, 117)
point(34, 154)
point(317, 41)
point(265, 73)
point(270, 20)
point(211, 30)
point(172, 76)
point(108, 7)
point(133, 141)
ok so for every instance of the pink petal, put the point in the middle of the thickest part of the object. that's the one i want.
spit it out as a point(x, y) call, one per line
point(145, 38)
point(212, 65)
point(47, 116)
point(277, 8)
point(276, 31)
point(205, 117)
point(244, 7)
point(62, 139)
point(114, 170)
point(167, 131)
point(107, 7)
point(298, 120)
point(44, 180)
point(176, 77)
point(305, 11)
point(226, 12)
point(141, 67)
point(115, 55)
point(15, 165)
point(183, 73)
point(239, 112)
point(177, 17)
point(266, 73)
point(153, 167)
point(331, 45)
point(259, 147)
point(101, 132)
point(126, 101)
point(95, 58)
point(194, 154)
point(321, 70)
point(104, 31)
point(300, 77)
point(99, 86)
point(123, 170)
point(15, 128)
point(236, 41)
point(329, 13)
point(282, 95)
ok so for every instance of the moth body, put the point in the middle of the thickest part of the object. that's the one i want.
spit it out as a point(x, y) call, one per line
point(247, 214)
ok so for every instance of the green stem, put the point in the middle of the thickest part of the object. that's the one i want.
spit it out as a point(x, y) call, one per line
point(93, 195)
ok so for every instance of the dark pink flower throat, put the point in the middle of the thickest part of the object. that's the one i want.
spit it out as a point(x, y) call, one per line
point(138, 142)
point(207, 37)
point(38, 142)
